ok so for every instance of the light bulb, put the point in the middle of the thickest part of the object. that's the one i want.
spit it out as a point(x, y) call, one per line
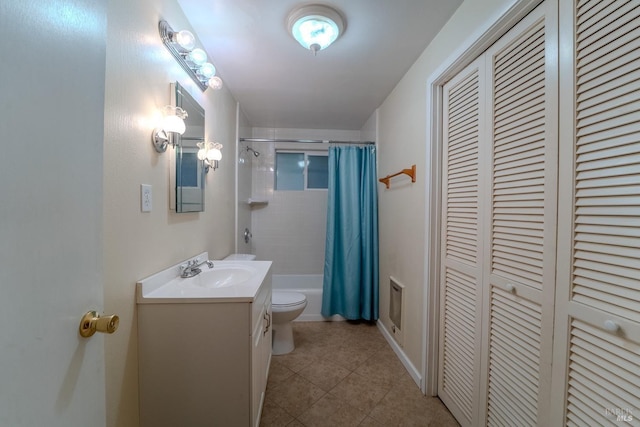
point(185, 39)
point(312, 31)
point(197, 56)
point(215, 83)
point(202, 154)
point(207, 70)
point(173, 124)
point(315, 30)
point(214, 154)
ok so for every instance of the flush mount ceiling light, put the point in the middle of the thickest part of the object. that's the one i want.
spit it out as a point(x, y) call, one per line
point(315, 26)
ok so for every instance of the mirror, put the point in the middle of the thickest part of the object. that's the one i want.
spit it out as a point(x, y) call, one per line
point(188, 171)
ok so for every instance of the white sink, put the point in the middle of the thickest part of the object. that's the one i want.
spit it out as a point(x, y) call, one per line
point(220, 277)
point(227, 281)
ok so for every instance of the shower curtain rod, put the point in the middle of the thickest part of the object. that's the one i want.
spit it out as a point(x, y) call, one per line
point(313, 141)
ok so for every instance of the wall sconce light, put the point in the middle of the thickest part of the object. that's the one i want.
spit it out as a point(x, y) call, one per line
point(193, 60)
point(172, 122)
point(210, 153)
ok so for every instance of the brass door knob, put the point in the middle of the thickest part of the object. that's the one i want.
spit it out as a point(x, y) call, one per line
point(92, 322)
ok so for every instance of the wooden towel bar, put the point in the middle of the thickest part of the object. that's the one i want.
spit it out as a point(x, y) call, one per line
point(411, 172)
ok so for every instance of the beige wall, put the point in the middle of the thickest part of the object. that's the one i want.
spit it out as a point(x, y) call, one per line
point(138, 72)
point(402, 127)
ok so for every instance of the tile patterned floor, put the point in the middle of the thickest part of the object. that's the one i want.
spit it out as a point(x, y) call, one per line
point(345, 374)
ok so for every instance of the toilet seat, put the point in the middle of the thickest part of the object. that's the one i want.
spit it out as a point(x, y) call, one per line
point(287, 299)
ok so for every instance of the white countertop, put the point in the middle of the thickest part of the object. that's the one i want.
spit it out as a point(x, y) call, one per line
point(168, 287)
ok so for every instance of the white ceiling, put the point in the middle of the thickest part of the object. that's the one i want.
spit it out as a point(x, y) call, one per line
point(280, 84)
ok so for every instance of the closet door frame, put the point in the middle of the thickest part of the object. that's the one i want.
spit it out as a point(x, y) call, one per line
point(565, 199)
point(469, 51)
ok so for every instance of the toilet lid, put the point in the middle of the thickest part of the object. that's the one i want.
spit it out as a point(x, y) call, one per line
point(284, 299)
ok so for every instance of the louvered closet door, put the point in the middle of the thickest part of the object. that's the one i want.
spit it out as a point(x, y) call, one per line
point(461, 271)
point(520, 248)
point(597, 344)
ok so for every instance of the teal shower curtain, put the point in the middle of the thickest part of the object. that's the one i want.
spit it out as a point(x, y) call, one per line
point(350, 286)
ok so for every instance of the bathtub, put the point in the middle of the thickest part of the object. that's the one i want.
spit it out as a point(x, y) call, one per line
point(311, 286)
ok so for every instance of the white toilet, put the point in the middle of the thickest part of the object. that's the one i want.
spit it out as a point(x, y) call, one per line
point(286, 307)
point(240, 257)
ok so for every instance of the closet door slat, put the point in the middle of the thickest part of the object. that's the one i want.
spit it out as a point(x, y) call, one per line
point(513, 358)
point(608, 175)
point(527, 163)
point(597, 346)
point(458, 372)
point(464, 250)
point(460, 275)
point(521, 222)
point(601, 365)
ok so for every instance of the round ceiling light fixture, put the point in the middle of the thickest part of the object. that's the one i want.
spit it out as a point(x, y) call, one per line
point(315, 26)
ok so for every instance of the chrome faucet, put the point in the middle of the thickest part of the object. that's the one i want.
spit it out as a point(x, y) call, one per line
point(192, 268)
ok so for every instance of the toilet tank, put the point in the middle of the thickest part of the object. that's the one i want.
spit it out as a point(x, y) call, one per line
point(240, 257)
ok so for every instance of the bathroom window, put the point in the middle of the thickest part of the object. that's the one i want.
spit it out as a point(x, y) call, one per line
point(298, 171)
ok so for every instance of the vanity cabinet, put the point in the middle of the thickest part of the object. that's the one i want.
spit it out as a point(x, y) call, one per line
point(260, 352)
point(204, 362)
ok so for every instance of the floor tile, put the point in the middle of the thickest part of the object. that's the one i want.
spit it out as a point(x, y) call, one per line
point(330, 411)
point(348, 356)
point(344, 374)
point(383, 368)
point(361, 392)
point(278, 373)
point(370, 422)
point(273, 415)
point(297, 360)
point(296, 395)
point(404, 406)
point(324, 374)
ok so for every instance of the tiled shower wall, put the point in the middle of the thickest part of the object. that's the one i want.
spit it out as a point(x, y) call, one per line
point(290, 229)
point(243, 189)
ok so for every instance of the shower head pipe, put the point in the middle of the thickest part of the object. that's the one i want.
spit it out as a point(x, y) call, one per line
point(255, 153)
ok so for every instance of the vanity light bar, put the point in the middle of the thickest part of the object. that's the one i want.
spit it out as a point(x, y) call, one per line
point(202, 79)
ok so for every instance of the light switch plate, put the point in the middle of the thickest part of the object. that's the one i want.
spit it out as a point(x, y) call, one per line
point(146, 200)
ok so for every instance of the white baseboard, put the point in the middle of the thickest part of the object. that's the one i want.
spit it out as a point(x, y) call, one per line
point(413, 372)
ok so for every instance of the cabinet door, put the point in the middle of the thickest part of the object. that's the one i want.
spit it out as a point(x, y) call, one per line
point(520, 247)
point(266, 344)
point(260, 359)
point(258, 380)
point(461, 270)
point(597, 344)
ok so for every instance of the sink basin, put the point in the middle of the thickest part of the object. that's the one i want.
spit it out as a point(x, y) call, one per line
point(221, 277)
point(228, 280)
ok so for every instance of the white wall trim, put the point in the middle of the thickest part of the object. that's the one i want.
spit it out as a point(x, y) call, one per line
point(412, 370)
point(490, 31)
point(236, 158)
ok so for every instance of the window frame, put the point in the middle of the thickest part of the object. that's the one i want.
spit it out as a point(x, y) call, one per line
point(305, 172)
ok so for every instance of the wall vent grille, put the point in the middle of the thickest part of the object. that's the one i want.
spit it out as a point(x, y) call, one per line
point(396, 304)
